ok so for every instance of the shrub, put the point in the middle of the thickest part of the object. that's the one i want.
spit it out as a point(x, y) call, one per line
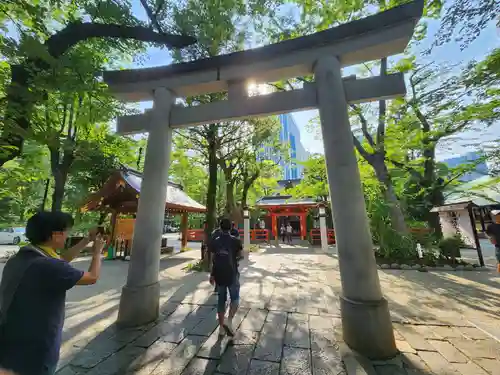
point(394, 245)
point(254, 248)
point(421, 233)
point(430, 258)
point(450, 247)
point(198, 266)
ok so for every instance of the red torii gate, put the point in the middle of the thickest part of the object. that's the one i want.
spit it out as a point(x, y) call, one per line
point(284, 205)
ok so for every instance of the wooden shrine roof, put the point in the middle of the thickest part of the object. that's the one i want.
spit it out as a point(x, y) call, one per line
point(121, 193)
point(285, 201)
point(454, 207)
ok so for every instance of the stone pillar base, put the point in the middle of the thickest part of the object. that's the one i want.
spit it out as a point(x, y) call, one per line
point(367, 328)
point(139, 305)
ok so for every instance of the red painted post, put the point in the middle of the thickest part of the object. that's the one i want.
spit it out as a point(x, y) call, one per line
point(273, 224)
point(303, 229)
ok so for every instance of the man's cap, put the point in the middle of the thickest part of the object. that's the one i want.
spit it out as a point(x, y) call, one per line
point(495, 212)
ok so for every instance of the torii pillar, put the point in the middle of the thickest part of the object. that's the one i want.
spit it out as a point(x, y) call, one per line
point(139, 302)
point(366, 321)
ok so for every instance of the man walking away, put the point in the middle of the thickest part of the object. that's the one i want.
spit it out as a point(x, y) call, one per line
point(493, 232)
point(226, 250)
point(33, 293)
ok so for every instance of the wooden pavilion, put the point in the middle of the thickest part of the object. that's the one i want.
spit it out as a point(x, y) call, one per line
point(120, 197)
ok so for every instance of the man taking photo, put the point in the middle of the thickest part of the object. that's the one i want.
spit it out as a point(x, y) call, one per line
point(33, 294)
point(226, 251)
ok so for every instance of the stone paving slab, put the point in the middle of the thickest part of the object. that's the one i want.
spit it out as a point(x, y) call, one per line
point(448, 354)
point(270, 344)
point(254, 320)
point(263, 368)
point(180, 356)
point(297, 331)
point(296, 361)
point(489, 365)
point(168, 308)
point(215, 346)
point(243, 337)
point(236, 360)
point(96, 352)
point(200, 366)
point(327, 362)
point(117, 363)
point(151, 358)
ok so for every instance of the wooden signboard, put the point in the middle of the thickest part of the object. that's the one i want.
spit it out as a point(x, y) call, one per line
point(124, 229)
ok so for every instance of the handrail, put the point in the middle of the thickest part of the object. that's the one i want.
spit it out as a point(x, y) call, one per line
point(315, 236)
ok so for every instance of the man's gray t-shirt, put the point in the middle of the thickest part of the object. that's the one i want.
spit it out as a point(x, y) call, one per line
point(30, 337)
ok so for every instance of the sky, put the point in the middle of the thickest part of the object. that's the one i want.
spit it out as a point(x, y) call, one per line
point(449, 53)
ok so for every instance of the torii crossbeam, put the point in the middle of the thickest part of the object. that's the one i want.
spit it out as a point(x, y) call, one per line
point(366, 321)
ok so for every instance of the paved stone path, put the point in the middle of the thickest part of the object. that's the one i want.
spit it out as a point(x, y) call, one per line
point(288, 322)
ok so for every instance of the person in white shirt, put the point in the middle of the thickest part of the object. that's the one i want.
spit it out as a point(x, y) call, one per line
point(289, 231)
point(262, 224)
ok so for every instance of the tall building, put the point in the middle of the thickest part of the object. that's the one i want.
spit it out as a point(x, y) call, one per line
point(290, 135)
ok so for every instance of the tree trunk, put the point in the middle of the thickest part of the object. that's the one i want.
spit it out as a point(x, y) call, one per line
point(19, 106)
point(60, 172)
point(244, 195)
point(230, 205)
point(247, 184)
point(230, 200)
point(436, 198)
point(212, 181)
point(45, 195)
point(59, 187)
point(397, 216)
point(211, 195)
point(432, 184)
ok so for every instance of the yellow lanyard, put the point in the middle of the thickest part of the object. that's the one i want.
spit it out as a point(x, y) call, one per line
point(50, 252)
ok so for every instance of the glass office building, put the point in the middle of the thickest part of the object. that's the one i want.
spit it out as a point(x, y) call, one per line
point(290, 135)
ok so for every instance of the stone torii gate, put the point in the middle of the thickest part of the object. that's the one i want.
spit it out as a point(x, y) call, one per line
point(366, 321)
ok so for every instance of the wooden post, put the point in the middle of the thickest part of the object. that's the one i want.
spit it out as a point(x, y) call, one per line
point(112, 243)
point(114, 216)
point(476, 237)
point(273, 225)
point(303, 226)
point(184, 228)
point(481, 218)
